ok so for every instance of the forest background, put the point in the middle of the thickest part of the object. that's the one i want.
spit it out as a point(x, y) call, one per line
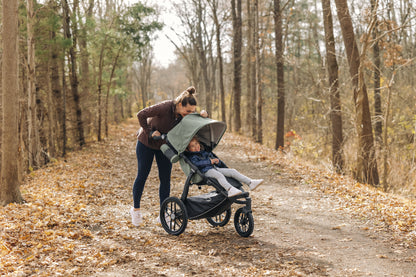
point(330, 81)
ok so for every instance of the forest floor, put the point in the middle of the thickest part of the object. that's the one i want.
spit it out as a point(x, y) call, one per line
point(308, 221)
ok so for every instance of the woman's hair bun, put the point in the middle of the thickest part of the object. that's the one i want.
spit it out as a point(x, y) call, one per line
point(191, 90)
point(187, 97)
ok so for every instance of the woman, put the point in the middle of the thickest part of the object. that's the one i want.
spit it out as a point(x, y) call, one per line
point(154, 121)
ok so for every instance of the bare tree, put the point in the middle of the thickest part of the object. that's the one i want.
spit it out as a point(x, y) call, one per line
point(33, 125)
point(332, 67)
point(251, 69)
point(366, 163)
point(214, 8)
point(56, 114)
point(85, 76)
point(10, 178)
point(237, 46)
point(73, 66)
point(278, 29)
point(100, 80)
point(378, 126)
point(110, 82)
point(143, 76)
point(258, 79)
point(202, 46)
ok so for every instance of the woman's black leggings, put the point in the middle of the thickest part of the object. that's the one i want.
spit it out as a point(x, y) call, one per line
point(145, 156)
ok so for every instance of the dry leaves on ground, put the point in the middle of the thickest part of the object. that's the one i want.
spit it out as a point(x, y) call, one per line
point(75, 220)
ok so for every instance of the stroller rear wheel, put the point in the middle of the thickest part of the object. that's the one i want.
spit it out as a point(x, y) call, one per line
point(220, 219)
point(243, 222)
point(173, 216)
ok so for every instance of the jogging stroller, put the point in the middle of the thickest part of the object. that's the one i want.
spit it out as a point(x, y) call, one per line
point(214, 206)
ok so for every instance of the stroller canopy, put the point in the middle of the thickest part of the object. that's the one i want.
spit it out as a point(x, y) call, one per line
point(209, 132)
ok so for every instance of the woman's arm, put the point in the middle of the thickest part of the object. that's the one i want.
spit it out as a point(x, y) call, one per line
point(152, 111)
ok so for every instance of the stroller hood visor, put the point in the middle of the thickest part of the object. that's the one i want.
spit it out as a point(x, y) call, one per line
point(209, 132)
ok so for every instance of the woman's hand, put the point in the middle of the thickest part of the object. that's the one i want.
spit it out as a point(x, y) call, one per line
point(156, 134)
point(204, 113)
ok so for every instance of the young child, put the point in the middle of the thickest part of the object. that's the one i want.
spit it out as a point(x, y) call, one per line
point(209, 165)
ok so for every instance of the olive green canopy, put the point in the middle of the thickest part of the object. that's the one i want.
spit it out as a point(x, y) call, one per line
point(208, 131)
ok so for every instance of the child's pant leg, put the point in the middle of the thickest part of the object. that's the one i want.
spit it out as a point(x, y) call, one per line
point(233, 173)
point(213, 173)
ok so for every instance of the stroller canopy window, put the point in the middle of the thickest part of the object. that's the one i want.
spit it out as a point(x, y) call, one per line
point(209, 132)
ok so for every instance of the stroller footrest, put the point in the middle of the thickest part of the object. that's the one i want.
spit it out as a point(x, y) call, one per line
point(243, 195)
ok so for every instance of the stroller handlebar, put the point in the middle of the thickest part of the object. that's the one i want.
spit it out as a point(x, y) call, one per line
point(161, 137)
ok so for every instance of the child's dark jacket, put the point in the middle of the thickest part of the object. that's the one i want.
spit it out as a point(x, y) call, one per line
point(202, 160)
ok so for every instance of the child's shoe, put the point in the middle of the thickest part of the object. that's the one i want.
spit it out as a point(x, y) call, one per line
point(136, 217)
point(234, 192)
point(255, 183)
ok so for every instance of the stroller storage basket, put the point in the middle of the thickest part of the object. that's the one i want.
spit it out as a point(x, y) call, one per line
point(206, 205)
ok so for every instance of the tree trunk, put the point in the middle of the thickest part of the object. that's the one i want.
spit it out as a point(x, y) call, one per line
point(366, 163)
point(58, 116)
point(56, 93)
point(144, 75)
point(253, 72)
point(51, 118)
point(33, 126)
point(109, 88)
point(258, 78)
point(74, 75)
point(214, 6)
point(237, 46)
point(100, 86)
point(10, 178)
point(249, 68)
point(332, 67)
point(86, 88)
point(64, 134)
point(202, 54)
point(100, 89)
point(278, 29)
point(385, 136)
point(378, 126)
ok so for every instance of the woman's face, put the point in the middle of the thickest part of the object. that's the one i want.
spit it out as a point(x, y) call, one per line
point(194, 146)
point(185, 110)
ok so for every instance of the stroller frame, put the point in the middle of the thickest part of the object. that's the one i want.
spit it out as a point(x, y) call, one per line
point(214, 206)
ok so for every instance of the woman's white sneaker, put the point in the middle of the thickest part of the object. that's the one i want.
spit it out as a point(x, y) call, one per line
point(136, 217)
point(255, 183)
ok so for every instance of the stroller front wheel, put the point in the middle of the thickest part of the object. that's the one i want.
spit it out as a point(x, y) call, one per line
point(243, 222)
point(173, 216)
point(221, 219)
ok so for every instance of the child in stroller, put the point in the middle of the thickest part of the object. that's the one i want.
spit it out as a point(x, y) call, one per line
point(214, 206)
point(214, 168)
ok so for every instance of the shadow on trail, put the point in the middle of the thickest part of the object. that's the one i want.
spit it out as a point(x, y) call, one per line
point(226, 248)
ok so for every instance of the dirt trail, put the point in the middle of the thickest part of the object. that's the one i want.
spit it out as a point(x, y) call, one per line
point(313, 226)
point(299, 231)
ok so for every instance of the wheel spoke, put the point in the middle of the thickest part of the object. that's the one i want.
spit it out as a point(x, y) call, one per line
point(244, 223)
point(174, 218)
